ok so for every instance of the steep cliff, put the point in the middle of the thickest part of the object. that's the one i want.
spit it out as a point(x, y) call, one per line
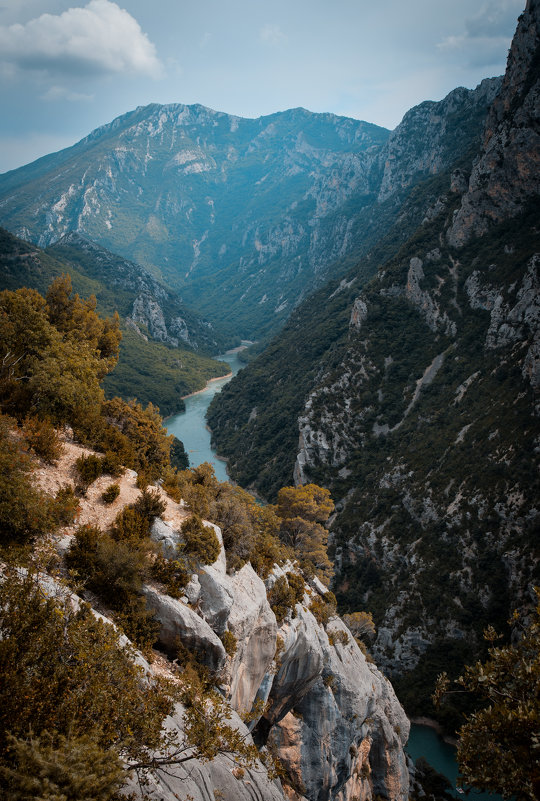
point(331, 716)
point(422, 411)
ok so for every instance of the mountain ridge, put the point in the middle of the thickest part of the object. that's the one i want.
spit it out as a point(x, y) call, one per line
point(421, 415)
point(308, 185)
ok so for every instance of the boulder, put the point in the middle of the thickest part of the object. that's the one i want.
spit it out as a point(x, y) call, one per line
point(180, 623)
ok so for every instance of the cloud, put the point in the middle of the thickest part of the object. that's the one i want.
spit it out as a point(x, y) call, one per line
point(273, 35)
point(61, 93)
point(487, 34)
point(100, 38)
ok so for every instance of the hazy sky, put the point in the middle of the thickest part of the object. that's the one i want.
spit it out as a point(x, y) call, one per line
point(67, 66)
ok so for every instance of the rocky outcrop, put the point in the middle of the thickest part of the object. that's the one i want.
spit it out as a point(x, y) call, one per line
point(253, 625)
point(507, 174)
point(343, 736)
point(351, 730)
point(180, 624)
point(148, 306)
point(437, 139)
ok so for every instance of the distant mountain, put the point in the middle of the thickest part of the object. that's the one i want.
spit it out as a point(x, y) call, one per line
point(245, 217)
point(417, 400)
point(165, 348)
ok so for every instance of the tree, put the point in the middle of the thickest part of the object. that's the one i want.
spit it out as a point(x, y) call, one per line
point(499, 745)
point(360, 624)
point(77, 713)
point(54, 353)
point(302, 511)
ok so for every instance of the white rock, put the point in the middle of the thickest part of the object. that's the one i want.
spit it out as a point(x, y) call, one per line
point(254, 626)
point(180, 623)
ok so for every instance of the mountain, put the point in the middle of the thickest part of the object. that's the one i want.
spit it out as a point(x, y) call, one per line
point(165, 347)
point(256, 213)
point(416, 401)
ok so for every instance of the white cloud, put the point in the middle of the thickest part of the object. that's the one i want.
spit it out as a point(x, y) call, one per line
point(62, 93)
point(100, 38)
point(272, 34)
point(487, 34)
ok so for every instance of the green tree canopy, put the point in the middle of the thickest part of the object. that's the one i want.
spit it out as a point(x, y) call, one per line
point(499, 745)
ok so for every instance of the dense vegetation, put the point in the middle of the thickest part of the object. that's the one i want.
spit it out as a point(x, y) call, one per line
point(146, 369)
point(77, 714)
point(398, 471)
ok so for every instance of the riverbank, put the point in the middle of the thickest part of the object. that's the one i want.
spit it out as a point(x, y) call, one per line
point(210, 380)
point(190, 426)
point(433, 724)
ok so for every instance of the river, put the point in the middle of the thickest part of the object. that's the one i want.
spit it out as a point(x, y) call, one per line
point(190, 427)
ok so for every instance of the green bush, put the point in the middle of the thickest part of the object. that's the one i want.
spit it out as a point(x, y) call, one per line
point(62, 671)
point(200, 541)
point(229, 642)
point(89, 468)
point(172, 573)
point(66, 506)
point(113, 569)
point(111, 493)
point(138, 622)
point(25, 511)
point(43, 438)
point(130, 526)
point(150, 505)
point(282, 598)
point(71, 768)
point(321, 610)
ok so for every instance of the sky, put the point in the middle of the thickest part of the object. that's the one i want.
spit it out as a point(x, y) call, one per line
point(69, 66)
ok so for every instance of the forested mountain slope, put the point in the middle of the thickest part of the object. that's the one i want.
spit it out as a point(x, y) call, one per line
point(160, 355)
point(422, 416)
point(256, 213)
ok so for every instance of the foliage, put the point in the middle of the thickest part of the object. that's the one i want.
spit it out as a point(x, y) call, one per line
point(323, 608)
point(172, 573)
point(67, 768)
point(338, 636)
point(130, 527)
point(55, 353)
point(179, 457)
point(111, 568)
point(43, 438)
point(301, 511)
point(72, 699)
point(282, 599)
point(360, 624)
point(26, 513)
point(136, 435)
point(150, 505)
point(62, 671)
point(499, 747)
point(200, 542)
point(229, 642)
point(110, 494)
point(89, 468)
point(66, 506)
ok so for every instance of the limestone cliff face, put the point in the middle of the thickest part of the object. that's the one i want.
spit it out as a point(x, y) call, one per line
point(426, 428)
point(354, 729)
point(350, 729)
point(431, 135)
point(507, 174)
point(147, 305)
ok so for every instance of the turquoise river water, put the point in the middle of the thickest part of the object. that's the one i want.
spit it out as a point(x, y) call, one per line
point(190, 427)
